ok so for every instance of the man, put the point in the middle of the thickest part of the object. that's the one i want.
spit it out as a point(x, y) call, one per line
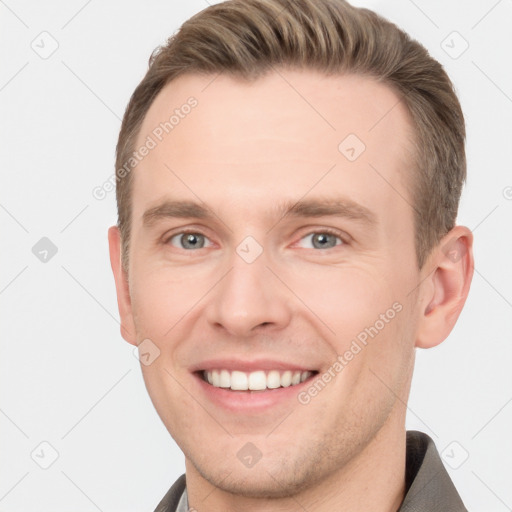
point(288, 181)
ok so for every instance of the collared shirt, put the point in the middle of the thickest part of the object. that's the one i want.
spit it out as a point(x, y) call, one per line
point(183, 503)
point(428, 485)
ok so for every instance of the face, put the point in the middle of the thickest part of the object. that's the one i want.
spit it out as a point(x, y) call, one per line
point(273, 241)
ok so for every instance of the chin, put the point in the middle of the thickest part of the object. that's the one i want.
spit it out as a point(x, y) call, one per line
point(257, 484)
point(267, 479)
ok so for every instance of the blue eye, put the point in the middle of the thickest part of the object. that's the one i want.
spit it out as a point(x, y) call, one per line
point(316, 240)
point(323, 240)
point(189, 241)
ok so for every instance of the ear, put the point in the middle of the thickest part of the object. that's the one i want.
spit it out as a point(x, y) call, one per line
point(122, 287)
point(445, 288)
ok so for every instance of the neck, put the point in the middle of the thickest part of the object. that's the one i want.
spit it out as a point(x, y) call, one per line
point(374, 480)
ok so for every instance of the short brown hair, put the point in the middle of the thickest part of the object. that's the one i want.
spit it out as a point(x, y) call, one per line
point(247, 38)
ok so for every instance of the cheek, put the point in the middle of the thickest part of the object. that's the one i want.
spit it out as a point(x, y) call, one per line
point(165, 304)
point(167, 393)
point(346, 299)
point(364, 317)
point(162, 297)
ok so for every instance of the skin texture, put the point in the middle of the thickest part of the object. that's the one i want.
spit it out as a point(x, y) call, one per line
point(244, 150)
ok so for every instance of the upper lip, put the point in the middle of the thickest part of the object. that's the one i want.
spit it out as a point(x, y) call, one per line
point(248, 365)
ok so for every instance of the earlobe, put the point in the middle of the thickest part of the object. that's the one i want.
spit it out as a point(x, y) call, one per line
point(122, 287)
point(446, 287)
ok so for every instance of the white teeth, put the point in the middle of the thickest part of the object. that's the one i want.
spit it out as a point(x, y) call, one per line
point(225, 379)
point(254, 381)
point(273, 379)
point(239, 381)
point(257, 380)
point(286, 379)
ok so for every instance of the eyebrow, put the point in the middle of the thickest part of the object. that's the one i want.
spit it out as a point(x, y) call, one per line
point(341, 207)
point(329, 208)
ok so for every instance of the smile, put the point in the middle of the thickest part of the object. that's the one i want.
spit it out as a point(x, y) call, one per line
point(259, 380)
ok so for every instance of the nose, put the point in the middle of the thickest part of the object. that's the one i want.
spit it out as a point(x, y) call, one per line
point(249, 298)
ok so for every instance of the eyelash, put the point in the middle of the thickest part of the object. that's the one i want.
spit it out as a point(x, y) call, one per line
point(327, 231)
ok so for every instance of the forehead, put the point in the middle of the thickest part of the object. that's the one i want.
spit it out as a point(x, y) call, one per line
point(230, 142)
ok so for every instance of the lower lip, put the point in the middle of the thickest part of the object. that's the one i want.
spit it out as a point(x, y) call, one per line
point(251, 401)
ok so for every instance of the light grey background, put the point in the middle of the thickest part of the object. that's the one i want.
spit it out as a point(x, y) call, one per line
point(68, 378)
